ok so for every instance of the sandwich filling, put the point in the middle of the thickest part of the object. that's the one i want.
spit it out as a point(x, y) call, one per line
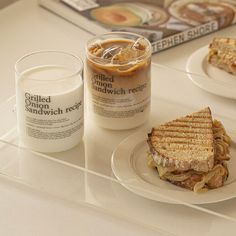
point(197, 173)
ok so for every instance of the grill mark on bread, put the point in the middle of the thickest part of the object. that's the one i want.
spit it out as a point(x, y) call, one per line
point(172, 149)
point(181, 131)
point(193, 121)
point(202, 137)
point(182, 126)
point(172, 133)
point(180, 139)
point(200, 114)
point(187, 126)
point(185, 142)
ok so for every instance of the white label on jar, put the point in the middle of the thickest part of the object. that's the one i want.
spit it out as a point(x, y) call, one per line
point(122, 98)
point(47, 120)
point(49, 123)
point(111, 99)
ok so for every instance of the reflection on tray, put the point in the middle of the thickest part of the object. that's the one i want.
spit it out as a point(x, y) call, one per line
point(91, 181)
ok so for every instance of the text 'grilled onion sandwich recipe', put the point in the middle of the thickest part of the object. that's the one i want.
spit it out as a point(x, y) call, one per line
point(191, 152)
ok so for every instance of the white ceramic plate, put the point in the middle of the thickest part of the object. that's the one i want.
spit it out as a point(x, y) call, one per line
point(129, 164)
point(208, 77)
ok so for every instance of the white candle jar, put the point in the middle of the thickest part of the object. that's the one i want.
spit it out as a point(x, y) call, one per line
point(118, 78)
point(49, 101)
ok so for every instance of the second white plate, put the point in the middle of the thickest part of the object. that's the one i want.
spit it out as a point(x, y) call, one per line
point(129, 164)
point(208, 77)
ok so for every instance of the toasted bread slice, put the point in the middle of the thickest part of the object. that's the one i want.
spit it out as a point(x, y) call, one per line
point(185, 143)
point(222, 54)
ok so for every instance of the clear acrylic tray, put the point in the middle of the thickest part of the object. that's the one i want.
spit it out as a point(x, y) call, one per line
point(83, 175)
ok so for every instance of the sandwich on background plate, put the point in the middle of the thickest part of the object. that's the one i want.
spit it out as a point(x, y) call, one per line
point(222, 54)
point(191, 152)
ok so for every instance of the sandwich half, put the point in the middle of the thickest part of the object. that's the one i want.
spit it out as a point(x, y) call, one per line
point(222, 54)
point(191, 151)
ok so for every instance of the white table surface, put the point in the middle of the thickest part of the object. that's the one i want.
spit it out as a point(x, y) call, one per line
point(25, 27)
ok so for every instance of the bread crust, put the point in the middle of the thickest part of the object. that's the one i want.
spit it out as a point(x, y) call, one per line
point(187, 148)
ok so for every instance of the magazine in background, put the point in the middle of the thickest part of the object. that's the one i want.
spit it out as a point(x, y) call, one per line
point(165, 23)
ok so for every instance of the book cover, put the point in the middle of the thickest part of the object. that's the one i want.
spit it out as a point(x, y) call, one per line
point(165, 23)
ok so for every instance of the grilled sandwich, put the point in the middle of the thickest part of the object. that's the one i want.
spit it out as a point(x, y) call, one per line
point(222, 54)
point(191, 151)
